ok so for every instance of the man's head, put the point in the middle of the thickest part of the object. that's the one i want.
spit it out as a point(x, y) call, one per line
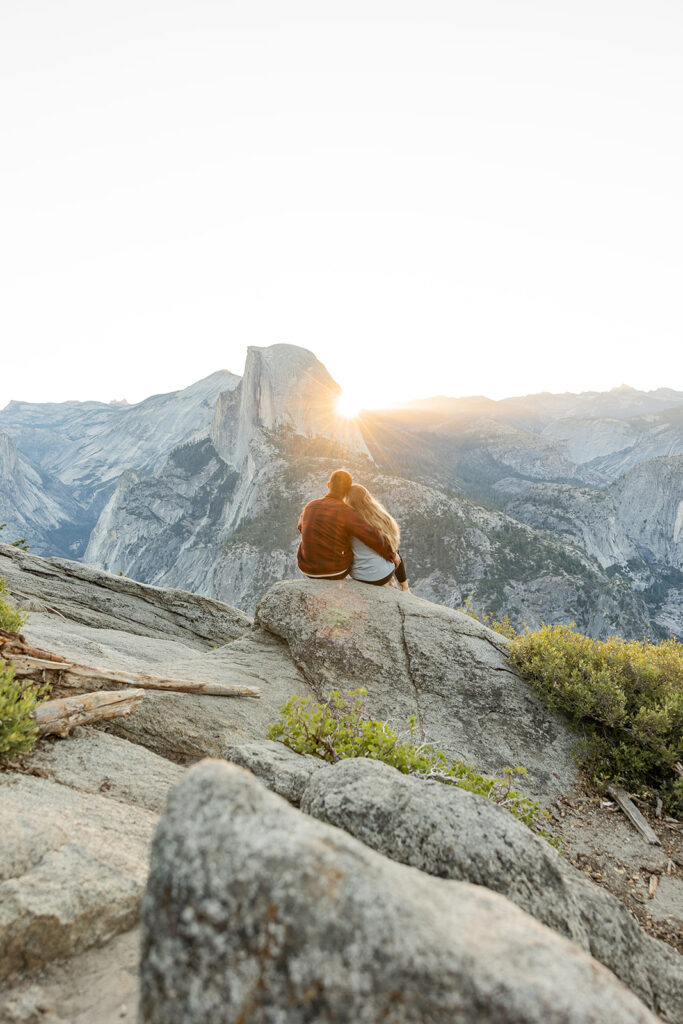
point(339, 484)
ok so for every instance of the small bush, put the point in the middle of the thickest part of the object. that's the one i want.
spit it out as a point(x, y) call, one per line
point(341, 728)
point(11, 619)
point(18, 731)
point(627, 696)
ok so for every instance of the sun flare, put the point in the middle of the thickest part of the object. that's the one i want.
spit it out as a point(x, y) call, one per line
point(348, 406)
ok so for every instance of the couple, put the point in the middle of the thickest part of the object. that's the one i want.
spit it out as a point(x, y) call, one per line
point(348, 531)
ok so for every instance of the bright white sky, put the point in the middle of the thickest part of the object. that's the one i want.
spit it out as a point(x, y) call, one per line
point(450, 197)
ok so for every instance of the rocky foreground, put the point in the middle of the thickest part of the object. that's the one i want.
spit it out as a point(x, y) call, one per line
point(350, 892)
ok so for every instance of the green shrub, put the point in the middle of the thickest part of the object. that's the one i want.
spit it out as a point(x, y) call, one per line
point(18, 731)
point(341, 728)
point(627, 696)
point(11, 619)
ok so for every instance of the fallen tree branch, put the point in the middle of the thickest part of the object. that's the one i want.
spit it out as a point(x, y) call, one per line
point(59, 717)
point(633, 815)
point(16, 643)
point(86, 677)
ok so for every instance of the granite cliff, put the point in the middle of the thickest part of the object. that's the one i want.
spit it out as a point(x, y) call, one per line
point(78, 451)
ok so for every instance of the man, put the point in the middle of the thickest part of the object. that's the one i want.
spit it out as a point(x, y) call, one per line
point(327, 526)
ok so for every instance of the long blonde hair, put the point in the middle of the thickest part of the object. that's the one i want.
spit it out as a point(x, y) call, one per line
point(374, 513)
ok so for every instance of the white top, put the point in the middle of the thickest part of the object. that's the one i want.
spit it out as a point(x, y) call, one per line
point(367, 564)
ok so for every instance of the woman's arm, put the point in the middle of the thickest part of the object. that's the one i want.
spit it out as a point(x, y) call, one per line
point(357, 527)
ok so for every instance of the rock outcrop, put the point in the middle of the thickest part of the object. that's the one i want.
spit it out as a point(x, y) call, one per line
point(451, 833)
point(256, 912)
point(185, 727)
point(75, 826)
point(421, 659)
point(99, 599)
point(114, 623)
point(74, 846)
point(92, 761)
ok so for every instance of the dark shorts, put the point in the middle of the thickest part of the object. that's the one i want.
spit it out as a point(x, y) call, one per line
point(337, 576)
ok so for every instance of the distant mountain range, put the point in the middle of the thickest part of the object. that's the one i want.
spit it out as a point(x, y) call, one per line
point(548, 507)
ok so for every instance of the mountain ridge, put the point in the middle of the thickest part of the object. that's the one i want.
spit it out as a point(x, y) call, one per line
point(217, 510)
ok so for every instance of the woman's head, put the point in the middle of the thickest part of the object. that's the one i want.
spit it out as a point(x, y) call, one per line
point(340, 483)
point(374, 513)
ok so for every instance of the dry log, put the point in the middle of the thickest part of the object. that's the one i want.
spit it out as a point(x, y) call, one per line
point(16, 643)
point(59, 717)
point(633, 815)
point(9, 651)
point(86, 677)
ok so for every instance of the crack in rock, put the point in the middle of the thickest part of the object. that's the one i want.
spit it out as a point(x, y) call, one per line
point(409, 669)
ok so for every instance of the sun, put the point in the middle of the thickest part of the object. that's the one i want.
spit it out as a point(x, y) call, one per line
point(348, 406)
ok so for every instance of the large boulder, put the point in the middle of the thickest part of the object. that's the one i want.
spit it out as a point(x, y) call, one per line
point(74, 845)
point(257, 913)
point(451, 833)
point(422, 659)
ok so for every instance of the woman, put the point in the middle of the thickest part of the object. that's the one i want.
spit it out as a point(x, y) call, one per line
point(368, 566)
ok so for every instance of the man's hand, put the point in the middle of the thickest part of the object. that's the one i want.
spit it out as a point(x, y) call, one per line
point(396, 559)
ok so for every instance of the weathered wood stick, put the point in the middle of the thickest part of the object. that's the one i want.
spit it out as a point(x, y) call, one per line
point(652, 890)
point(633, 815)
point(59, 717)
point(86, 677)
point(16, 643)
point(10, 648)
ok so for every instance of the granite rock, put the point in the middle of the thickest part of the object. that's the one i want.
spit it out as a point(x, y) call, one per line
point(256, 912)
point(451, 833)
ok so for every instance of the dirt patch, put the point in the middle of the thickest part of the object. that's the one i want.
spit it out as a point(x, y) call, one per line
point(599, 840)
